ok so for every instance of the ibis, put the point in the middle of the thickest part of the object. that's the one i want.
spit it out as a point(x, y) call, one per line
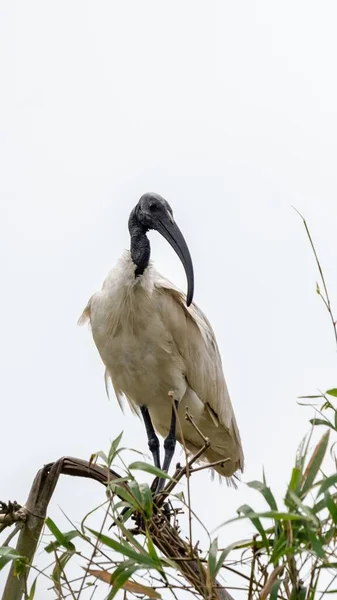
point(160, 351)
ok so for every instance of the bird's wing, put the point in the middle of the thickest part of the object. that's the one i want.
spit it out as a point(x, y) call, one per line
point(195, 341)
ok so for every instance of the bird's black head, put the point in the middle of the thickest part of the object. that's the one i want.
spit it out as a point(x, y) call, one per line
point(154, 212)
point(150, 208)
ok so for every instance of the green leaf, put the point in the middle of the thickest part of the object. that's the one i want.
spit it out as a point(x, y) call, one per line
point(123, 576)
point(249, 513)
point(315, 542)
point(296, 480)
point(147, 499)
point(275, 588)
point(99, 454)
point(265, 491)
point(147, 468)
point(332, 392)
point(122, 492)
point(312, 396)
point(56, 544)
point(302, 593)
point(59, 569)
point(153, 553)
point(212, 556)
point(224, 555)
point(135, 492)
point(270, 514)
point(140, 558)
point(321, 505)
point(32, 590)
point(321, 422)
point(314, 464)
point(280, 548)
point(113, 449)
point(308, 512)
point(327, 483)
point(60, 537)
point(7, 554)
point(331, 506)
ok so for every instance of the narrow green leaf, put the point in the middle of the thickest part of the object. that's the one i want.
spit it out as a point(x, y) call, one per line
point(60, 537)
point(321, 505)
point(153, 553)
point(135, 492)
point(59, 568)
point(99, 454)
point(332, 507)
point(321, 422)
point(212, 562)
point(122, 492)
point(7, 554)
point(275, 588)
point(249, 513)
point(147, 499)
point(126, 564)
point(306, 509)
point(147, 468)
point(295, 480)
point(265, 491)
point(311, 396)
point(270, 514)
point(327, 483)
point(302, 593)
point(314, 464)
point(315, 542)
point(113, 449)
point(68, 536)
point(224, 555)
point(118, 581)
point(280, 548)
point(332, 392)
point(32, 590)
point(126, 550)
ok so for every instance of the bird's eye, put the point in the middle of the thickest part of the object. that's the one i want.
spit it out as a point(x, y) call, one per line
point(152, 206)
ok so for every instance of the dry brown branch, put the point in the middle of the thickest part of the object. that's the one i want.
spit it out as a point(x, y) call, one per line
point(270, 582)
point(33, 514)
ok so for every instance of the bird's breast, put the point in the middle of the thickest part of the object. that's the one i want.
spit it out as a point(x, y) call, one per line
point(136, 347)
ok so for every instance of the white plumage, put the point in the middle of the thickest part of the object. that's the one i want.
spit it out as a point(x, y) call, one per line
point(152, 343)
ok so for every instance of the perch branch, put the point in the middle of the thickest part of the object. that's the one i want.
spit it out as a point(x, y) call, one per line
point(33, 513)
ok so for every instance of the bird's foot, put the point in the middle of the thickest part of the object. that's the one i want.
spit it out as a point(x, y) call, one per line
point(7, 508)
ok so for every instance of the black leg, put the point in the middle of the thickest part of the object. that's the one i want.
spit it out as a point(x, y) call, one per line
point(151, 436)
point(169, 445)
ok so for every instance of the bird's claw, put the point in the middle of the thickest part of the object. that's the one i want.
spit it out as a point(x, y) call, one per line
point(9, 507)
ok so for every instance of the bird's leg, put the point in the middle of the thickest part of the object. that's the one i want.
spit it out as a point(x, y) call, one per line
point(151, 437)
point(169, 445)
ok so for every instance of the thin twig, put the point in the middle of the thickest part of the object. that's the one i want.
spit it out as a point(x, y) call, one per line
point(210, 465)
point(190, 418)
point(326, 300)
point(12, 534)
point(93, 553)
point(187, 472)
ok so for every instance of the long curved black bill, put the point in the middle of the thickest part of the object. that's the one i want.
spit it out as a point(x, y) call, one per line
point(171, 232)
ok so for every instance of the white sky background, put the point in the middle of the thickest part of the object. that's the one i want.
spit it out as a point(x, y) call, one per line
point(227, 109)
